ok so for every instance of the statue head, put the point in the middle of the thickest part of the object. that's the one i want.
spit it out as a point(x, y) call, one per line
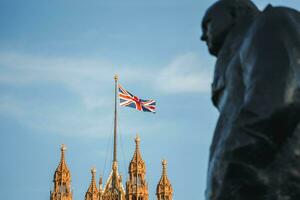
point(221, 18)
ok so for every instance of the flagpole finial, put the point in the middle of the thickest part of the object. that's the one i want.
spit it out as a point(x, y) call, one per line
point(116, 77)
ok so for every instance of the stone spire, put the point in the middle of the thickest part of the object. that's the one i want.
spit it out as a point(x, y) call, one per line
point(62, 180)
point(92, 192)
point(136, 185)
point(164, 190)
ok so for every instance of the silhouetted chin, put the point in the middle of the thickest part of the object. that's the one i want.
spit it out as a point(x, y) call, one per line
point(213, 51)
point(215, 48)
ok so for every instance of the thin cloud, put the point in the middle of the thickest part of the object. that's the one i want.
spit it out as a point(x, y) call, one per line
point(87, 78)
point(185, 74)
point(91, 82)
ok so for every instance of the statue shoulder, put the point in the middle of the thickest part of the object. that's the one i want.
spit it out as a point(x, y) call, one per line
point(278, 20)
point(273, 26)
point(281, 10)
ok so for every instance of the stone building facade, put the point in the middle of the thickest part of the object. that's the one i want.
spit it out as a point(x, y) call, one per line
point(136, 185)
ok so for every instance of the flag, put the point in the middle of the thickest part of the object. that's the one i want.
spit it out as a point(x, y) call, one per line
point(129, 100)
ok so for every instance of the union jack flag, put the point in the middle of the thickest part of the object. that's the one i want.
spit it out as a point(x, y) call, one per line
point(129, 100)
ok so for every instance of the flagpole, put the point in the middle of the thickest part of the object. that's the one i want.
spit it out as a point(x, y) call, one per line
point(114, 166)
point(115, 119)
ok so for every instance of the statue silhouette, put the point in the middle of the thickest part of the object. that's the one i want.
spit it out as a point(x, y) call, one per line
point(255, 152)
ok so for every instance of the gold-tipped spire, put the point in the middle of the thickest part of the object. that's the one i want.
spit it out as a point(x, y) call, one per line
point(92, 192)
point(137, 157)
point(63, 149)
point(62, 166)
point(62, 179)
point(164, 190)
point(136, 185)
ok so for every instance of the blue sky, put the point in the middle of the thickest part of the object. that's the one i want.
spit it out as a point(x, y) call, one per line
point(57, 61)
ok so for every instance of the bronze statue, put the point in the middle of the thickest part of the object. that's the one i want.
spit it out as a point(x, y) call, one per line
point(255, 152)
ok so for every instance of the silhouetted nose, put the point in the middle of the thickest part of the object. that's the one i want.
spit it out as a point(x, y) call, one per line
point(203, 37)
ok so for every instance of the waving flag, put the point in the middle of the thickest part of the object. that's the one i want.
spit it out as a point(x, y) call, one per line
point(129, 100)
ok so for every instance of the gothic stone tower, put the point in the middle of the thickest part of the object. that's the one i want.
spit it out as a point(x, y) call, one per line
point(93, 192)
point(136, 185)
point(62, 180)
point(164, 190)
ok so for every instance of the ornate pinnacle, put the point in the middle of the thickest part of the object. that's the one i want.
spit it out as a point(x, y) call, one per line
point(62, 177)
point(63, 148)
point(164, 164)
point(93, 171)
point(164, 187)
point(137, 141)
